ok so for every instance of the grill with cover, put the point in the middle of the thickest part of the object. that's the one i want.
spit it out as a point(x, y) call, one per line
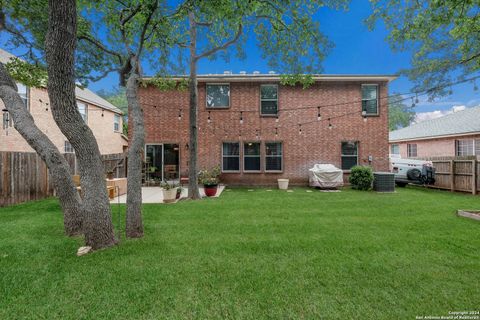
point(325, 176)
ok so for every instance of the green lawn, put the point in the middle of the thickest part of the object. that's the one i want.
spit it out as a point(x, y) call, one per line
point(252, 255)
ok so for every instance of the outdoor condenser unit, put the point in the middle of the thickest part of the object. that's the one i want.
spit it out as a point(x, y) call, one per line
point(384, 181)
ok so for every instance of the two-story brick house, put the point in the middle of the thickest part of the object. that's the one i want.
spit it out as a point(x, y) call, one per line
point(258, 130)
point(102, 117)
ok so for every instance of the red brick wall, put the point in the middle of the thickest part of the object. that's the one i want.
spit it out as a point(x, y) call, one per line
point(317, 144)
point(440, 147)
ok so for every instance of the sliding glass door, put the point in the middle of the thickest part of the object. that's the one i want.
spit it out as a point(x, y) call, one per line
point(162, 162)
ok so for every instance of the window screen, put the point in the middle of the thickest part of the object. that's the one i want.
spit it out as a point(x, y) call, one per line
point(218, 96)
point(349, 155)
point(251, 156)
point(231, 156)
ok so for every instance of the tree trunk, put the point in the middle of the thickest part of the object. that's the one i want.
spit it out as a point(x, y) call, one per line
point(56, 163)
point(60, 46)
point(193, 191)
point(134, 226)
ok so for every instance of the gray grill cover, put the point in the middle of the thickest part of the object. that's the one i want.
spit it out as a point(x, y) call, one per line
point(325, 176)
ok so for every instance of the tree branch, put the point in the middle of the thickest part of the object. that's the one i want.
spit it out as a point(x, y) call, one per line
point(100, 46)
point(222, 47)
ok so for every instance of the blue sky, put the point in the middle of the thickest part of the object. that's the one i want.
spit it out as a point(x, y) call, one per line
point(357, 50)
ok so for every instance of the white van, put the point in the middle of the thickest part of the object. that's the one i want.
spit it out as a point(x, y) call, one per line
point(411, 171)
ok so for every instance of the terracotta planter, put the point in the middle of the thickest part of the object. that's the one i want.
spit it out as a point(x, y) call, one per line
point(282, 184)
point(210, 190)
point(170, 195)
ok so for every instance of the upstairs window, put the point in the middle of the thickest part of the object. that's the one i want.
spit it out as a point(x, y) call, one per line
point(23, 92)
point(82, 108)
point(273, 156)
point(218, 96)
point(269, 99)
point(411, 150)
point(349, 155)
point(370, 99)
point(68, 147)
point(116, 122)
point(251, 156)
point(231, 157)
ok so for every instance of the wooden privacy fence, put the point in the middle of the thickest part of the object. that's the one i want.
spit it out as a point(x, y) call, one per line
point(24, 176)
point(457, 173)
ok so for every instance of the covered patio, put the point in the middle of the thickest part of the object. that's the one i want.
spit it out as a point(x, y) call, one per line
point(155, 195)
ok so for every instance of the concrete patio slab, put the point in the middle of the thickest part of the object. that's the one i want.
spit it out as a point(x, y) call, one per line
point(155, 195)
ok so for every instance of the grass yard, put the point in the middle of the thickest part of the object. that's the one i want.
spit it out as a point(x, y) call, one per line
point(252, 255)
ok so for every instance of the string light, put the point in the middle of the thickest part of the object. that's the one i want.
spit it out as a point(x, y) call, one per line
point(299, 129)
point(319, 116)
point(416, 98)
point(209, 119)
point(276, 118)
point(413, 103)
point(241, 117)
point(179, 114)
point(329, 124)
point(256, 134)
point(102, 113)
point(276, 132)
point(6, 120)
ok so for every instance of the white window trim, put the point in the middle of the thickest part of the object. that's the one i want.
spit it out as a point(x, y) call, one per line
point(229, 95)
point(361, 93)
point(65, 147)
point(268, 114)
point(348, 155)
point(115, 115)
point(391, 148)
point(86, 110)
point(408, 150)
point(474, 147)
point(250, 156)
point(230, 156)
point(267, 156)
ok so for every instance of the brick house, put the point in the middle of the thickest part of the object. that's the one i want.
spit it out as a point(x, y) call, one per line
point(258, 130)
point(456, 134)
point(102, 117)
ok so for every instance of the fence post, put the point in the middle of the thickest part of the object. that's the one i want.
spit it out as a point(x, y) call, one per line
point(452, 175)
point(474, 176)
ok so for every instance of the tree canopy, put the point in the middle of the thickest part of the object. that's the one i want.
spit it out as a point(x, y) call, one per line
point(444, 35)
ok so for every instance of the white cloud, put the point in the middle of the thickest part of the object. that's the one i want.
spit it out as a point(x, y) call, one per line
point(422, 116)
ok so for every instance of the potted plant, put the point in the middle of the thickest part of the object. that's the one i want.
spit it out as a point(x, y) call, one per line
point(210, 180)
point(110, 174)
point(169, 191)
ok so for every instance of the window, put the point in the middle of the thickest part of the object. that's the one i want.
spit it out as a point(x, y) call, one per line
point(269, 99)
point(116, 122)
point(251, 156)
point(411, 150)
point(218, 95)
point(68, 147)
point(273, 156)
point(24, 94)
point(231, 156)
point(349, 155)
point(369, 99)
point(465, 147)
point(395, 149)
point(82, 108)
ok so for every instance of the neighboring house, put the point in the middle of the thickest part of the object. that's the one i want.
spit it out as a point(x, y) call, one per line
point(103, 118)
point(456, 134)
point(248, 124)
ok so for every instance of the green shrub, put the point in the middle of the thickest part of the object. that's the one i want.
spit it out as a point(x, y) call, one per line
point(361, 178)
